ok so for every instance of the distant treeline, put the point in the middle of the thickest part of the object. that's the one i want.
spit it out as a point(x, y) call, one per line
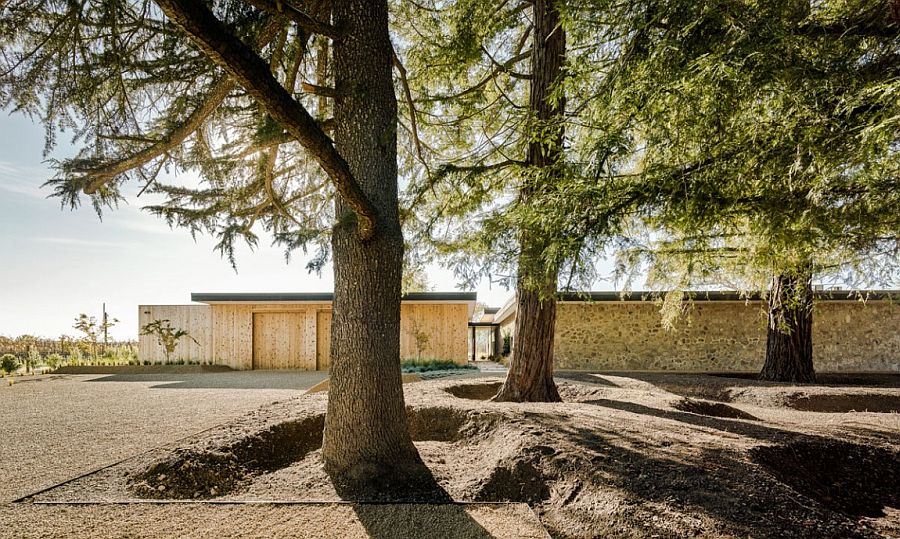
point(65, 346)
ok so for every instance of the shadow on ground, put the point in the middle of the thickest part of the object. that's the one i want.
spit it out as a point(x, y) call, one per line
point(853, 479)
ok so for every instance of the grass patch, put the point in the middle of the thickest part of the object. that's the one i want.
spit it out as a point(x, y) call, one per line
point(428, 365)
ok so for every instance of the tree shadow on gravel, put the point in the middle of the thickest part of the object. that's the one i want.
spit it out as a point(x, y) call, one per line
point(838, 482)
point(584, 377)
point(419, 520)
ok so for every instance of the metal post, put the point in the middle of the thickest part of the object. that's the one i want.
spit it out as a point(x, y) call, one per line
point(105, 331)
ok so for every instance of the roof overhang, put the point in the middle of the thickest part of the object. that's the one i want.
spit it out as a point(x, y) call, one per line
point(214, 298)
point(724, 295)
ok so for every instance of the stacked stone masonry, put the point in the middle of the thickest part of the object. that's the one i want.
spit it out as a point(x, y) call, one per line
point(720, 336)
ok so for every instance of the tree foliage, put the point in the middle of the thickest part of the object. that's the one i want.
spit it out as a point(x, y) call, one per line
point(469, 72)
point(767, 137)
point(141, 100)
point(9, 363)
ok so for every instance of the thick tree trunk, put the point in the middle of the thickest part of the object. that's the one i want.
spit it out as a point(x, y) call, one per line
point(367, 448)
point(530, 376)
point(789, 339)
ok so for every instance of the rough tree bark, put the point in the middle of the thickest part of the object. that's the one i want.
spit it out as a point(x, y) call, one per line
point(789, 337)
point(367, 448)
point(530, 376)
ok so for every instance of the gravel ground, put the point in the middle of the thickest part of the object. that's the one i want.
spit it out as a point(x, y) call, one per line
point(59, 426)
point(330, 521)
point(626, 455)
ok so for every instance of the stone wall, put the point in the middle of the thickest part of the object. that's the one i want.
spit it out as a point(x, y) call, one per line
point(720, 336)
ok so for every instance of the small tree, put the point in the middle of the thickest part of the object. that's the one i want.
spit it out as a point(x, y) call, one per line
point(91, 329)
point(166, 335)
point(9, 363)
point(419, 335)
point(32, 358)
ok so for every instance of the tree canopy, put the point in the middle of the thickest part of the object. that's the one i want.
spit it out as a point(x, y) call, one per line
point(767, 136)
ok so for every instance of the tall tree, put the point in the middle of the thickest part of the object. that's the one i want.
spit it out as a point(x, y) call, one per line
point(770, 136)
point(218, 89)
point(530, 376)
point(497, 131)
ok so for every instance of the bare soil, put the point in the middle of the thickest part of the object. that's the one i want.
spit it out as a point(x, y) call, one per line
point(627, 455)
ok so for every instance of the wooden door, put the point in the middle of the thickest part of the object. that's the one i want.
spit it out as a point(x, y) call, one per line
point(278, 341)
point(323, 340)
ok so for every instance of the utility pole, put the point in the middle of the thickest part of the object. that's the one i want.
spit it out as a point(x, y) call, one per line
point(105, 329)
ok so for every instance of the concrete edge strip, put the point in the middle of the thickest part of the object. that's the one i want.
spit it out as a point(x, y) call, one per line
point(273, 502)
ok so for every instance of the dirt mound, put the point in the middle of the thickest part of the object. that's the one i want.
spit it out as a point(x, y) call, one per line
point(519, 480)
point(714, 409)
point(853, 479)
point(445, 424)
point(478, 392)
point(845, 403)
point(221, 470)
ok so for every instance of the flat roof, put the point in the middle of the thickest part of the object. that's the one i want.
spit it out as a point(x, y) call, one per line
point(307, 297)
point(725, 295)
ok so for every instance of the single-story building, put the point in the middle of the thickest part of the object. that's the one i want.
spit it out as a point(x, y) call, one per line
point(719, 331)
point(293, 330)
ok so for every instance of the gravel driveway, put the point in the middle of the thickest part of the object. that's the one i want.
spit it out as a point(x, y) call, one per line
point(59, 426)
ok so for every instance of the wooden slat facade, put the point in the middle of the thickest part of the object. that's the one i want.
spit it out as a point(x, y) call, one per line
point(193, 318)
point(294, 335)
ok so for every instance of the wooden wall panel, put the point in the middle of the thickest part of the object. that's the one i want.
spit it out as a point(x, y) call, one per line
point(445, 325)
point(280, 340)
point(195, 319)
point(226, 332)
point(323, 340)
point(233, 331)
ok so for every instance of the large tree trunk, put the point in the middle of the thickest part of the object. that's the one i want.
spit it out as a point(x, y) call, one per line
point(789, 345)
point(530, 376)
point(367, 448)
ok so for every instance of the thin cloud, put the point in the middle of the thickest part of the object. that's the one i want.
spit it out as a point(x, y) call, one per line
point(23, 180)
point(84, 243)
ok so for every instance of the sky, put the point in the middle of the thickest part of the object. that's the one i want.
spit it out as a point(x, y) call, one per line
point(56, 263)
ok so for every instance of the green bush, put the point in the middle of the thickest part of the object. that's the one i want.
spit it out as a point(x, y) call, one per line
point(9, 363)
point(426, 365)
point(53, 361)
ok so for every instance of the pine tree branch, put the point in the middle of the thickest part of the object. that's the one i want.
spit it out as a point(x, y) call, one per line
point(251, 72)
point(100, 175)
point(322, 91)
point(412, 109)
point(103, 174)
point(286, 9)
point(491, 76)
point(505, 66)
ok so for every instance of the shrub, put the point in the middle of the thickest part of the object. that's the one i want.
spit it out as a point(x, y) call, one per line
point(53, 361)
point(9, 363)
point(75, 356)
point(426, 365)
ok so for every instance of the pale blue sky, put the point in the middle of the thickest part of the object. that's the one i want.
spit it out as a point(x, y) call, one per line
point(57, 263)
